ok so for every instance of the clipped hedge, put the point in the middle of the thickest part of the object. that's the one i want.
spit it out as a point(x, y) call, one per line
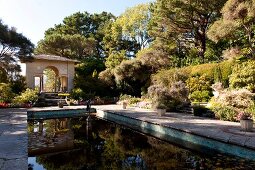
point(214, 71)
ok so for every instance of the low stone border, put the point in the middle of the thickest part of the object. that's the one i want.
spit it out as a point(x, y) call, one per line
point(172, 135)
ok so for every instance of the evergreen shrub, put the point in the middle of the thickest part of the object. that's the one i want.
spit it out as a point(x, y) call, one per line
point(215, 72)
point(243, 76)
point(28, 96)
point(199, 88)
point(6, 94)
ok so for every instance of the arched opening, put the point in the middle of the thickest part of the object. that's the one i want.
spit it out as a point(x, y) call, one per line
point(51, 81)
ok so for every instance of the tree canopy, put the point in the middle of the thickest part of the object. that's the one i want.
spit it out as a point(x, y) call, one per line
point(130, 31)
point(13, 47)
point(79, 36)
point(180, 26)
point(73, 46)
point(123, 52)
point(237, 23)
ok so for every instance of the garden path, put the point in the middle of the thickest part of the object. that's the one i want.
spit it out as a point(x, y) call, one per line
point(13, 139)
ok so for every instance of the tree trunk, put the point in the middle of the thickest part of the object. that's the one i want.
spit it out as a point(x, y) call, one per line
point(203, 47)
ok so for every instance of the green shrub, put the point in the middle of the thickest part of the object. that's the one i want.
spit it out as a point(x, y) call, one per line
point(18, 85)
point(168, 77)
point(134, 100)
point(230, 102)
point(125, 97)
point(225, 70)
point(243, 76)
point(200, 96)
point(222, 111)
point(227, 113)
point(172, 98)
point(199, 83)
point(251, 109)
point(129, 99)
point(77, 94)
point(199, 88)
point(29, 96)
point(209, 70)
point(6, 94)
point(203, 69)
point(3, 76)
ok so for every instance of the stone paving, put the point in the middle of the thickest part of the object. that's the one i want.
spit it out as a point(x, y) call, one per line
point(215, 129)
point(13, 139)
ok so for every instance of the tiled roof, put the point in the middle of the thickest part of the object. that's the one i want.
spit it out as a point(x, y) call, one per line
point(53, 58)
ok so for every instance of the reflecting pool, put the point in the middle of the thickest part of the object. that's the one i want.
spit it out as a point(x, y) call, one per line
point(90, 143)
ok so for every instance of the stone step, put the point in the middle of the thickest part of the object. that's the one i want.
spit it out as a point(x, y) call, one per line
point(49, 99)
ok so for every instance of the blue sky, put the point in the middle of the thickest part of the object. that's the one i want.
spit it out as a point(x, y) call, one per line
point(33, 17)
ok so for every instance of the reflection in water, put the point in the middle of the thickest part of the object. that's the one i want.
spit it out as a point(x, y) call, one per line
point(86, 143)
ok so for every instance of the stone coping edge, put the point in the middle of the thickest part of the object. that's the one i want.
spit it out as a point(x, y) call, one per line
point(186, 131)
point(166, 132)
point(58, 113)
point(60, 109)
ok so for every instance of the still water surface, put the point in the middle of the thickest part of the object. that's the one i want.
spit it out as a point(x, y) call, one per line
point(98, 144)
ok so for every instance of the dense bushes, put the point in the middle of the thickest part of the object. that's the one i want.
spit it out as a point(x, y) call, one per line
point(227, 103)
point(168, 77)
point(78, 94)
point(129, 99)
point(232, 81)
point(215, 72)
point(243, 76)
point(28, 96)
point(8, 98)
point(199, 88)
point(200, 96)
point(170, 98)
point(223, 112)
point(198, 78)
point(6, 94)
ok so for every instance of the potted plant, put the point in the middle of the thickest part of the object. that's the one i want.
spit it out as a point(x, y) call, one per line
point(60, 104)
point(124, 104)
point(161, 109)
point(246, 121)
point(160, 97)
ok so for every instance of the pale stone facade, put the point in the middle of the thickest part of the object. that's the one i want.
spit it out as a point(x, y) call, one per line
point(63, 68)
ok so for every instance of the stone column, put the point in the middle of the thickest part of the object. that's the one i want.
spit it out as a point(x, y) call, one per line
point(41, 83)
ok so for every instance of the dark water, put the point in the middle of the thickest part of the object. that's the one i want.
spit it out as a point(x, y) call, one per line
point(76, 144)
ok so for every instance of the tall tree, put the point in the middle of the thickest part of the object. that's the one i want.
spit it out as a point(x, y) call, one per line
point(134, 22)
point(130, 30)
point(113, 41)
point(84, 27)
point(73, 46)
point(183, 24)
point(13, 47)
point(237, 23)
